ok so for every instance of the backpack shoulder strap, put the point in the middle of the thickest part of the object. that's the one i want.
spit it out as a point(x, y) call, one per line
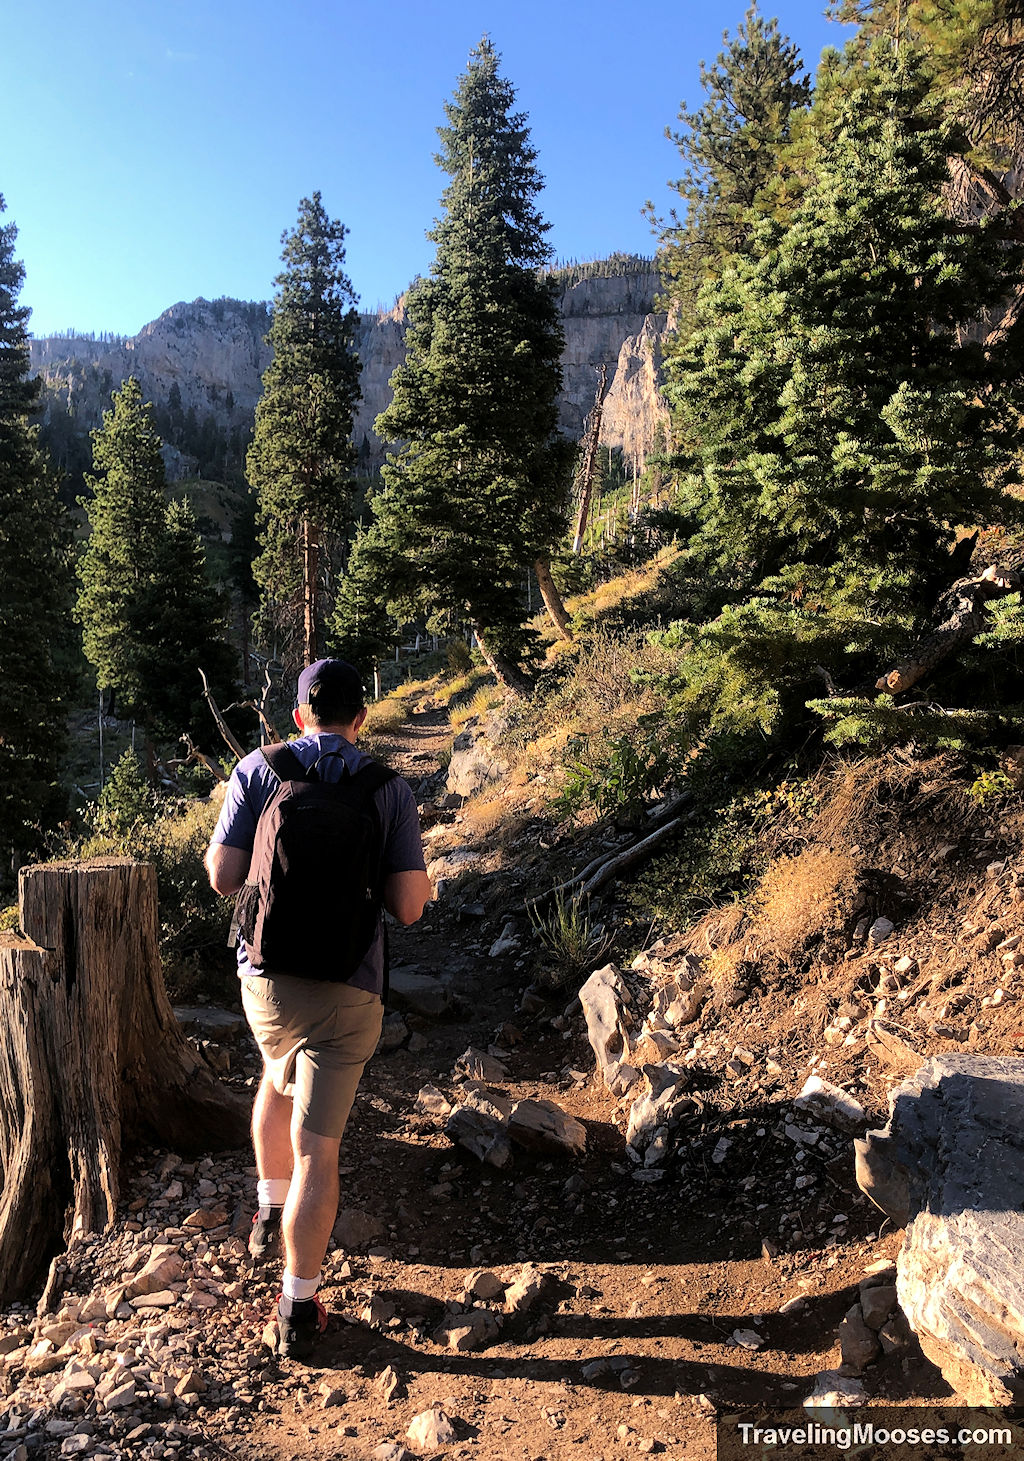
point(371, 777)
point(284, 763)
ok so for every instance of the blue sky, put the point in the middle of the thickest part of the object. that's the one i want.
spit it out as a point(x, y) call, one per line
point(155, 150)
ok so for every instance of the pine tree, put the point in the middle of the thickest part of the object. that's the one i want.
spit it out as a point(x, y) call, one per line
point(301, 456)
point(848, 419)
point(151, 619)
point(34, 589)
point(476, 492)
point(730, 147)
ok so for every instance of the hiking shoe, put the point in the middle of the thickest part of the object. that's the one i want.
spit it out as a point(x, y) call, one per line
point(294, 1336)
point(265, 1238)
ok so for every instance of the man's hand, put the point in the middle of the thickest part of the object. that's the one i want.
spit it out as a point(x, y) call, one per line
point(227, 867)
point(407, 894)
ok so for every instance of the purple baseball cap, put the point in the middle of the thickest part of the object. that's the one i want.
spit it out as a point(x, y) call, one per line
point(341, 681)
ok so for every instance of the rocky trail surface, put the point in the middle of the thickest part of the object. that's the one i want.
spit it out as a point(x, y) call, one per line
point(506, 1279)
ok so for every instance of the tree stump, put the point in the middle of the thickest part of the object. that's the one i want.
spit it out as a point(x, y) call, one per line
point(91, 1059)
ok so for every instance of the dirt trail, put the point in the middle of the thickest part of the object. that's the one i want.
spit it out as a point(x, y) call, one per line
point(631, 1347)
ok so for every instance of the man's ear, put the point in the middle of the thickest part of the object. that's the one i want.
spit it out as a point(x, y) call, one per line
point(357, 724)
point(298, 721)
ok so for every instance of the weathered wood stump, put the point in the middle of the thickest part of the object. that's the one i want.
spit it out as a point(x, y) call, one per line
point(950, 1165)
point(91, 1059)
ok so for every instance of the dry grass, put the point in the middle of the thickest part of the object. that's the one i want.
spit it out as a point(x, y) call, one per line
point(800, 897)
point(386, 716)
point(634, 583)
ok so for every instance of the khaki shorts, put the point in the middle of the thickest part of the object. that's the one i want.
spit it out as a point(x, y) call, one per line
point(315, 1037)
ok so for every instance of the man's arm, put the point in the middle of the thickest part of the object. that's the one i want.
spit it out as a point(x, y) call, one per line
point(227, 867)
point(407, 894)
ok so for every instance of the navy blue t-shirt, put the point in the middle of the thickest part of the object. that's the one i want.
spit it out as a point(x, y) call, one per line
point(252, 784)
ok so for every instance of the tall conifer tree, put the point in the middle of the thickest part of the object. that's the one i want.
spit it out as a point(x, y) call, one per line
point(34, 588)
point(301, 457)
point(730, 147)
point(848, 417)
point(151, 618)
point(476, 490)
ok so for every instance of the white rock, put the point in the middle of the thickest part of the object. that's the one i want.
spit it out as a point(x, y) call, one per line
point(830, 1104)
point(479, 1066)
point(526, 1289)
point(430, 1429)
point(604, 998)
point(467, 1331)
point(747, 1339)
point(483, 1284)
point(835, 1392)
point(432, 1102)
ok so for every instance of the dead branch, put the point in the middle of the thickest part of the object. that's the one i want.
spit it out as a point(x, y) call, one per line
point(585, 879)
point(966, 606)
point(222, 724)
point(637, 853)
point(195, 755)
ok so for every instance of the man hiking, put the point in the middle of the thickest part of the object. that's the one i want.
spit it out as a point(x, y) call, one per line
point(316, 838)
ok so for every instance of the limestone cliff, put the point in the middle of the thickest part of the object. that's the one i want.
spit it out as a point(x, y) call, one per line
point(214, 353)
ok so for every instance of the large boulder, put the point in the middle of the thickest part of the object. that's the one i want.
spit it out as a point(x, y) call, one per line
point(474, 763)
point(950, 1165)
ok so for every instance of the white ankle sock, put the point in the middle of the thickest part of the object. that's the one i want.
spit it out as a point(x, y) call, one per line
point(299, 1288)
point(272, 1191)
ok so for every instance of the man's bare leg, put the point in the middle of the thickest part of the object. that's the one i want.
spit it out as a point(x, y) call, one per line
point(271, 1131)
point(312, 1206)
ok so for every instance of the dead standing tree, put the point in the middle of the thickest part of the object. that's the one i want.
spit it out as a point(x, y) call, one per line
point(91, 1059)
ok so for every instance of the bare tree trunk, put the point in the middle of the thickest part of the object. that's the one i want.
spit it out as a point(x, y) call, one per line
point(310, 577)
point(503, 670)
point(552, 598)
point(586, 479)
point(230, 738)
point(91, 1059)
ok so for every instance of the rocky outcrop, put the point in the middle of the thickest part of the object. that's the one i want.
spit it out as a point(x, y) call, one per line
point(214, 351)
point(950, 1165)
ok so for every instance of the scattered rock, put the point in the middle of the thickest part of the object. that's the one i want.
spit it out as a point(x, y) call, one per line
point(878, 1304)
point(354, 1228)
point(543, 1126)
point(430, 1429)
point(393, 1033)
point(663, 1104)
point(480, 1125)
point(506, 943)
point(432, 1102)
point(162, 1267)
point(388, 1383)
point(831, 1104)
point(880, 930)
point(746, 1339)
point(467, 1331)
point(419, 994)
point(391, 1451)
point(857, 1343)
point(891, 1046)
point(483, 1284)
point(835, 1391)
point(478, 1066)
point(473, 764)
point(525, 1290)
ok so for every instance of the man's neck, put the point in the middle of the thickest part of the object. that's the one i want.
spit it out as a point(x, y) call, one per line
point(347, 732)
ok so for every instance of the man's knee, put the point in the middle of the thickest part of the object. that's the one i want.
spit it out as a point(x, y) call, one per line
point(313, 1150)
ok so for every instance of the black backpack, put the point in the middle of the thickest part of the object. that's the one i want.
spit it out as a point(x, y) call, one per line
point(312, 899)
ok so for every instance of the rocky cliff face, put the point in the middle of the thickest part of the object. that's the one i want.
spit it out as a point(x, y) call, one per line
point(214, 352)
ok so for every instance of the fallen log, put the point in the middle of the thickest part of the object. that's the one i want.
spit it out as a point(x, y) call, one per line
point(92, 1059)
point(632, 855)
point(966, 607)
point(603, 860)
